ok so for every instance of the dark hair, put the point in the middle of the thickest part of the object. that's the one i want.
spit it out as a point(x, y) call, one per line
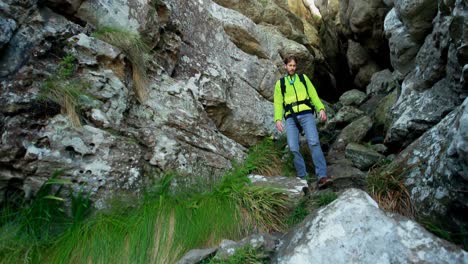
point(290, 58)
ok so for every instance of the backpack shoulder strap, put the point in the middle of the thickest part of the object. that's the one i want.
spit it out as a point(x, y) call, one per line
point(301, 77)
point(283, 86)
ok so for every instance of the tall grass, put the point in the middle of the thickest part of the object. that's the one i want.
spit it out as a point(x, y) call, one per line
point(162, 226)
point(29, 227)
point(136, 51)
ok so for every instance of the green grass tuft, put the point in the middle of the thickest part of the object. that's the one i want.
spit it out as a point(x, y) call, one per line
point(385, 185)
point(324, 198)
point(65, 90)
point(136, 51)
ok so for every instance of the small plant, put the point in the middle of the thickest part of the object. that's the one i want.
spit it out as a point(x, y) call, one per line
point(447, 232)
point(136, 51)
point(245, 255)
point(385, 185)
point(264, 159)
point(64, 90)
point(299, 213)
point(325, 198)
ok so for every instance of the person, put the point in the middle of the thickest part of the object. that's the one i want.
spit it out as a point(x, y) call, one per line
point(296, 97)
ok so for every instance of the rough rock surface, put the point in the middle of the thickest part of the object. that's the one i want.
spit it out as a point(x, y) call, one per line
point(352, 229)
point(435, 170)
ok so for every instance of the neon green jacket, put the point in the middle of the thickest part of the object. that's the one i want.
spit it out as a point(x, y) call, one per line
point(294, 93)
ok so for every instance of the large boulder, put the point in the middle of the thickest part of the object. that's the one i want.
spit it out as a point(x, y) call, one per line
point(417, 15)
point(403, 48)
point(434, 87)
point(363, 20)
point(353, 229)
point(434, 167)
point(7, 27)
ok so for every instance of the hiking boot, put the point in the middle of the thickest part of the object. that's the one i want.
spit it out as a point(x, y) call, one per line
point(324, 182)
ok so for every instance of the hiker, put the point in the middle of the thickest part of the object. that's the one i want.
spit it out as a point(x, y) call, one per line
point(295, 95)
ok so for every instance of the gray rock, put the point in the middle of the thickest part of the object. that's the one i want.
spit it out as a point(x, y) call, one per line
point(133, 16)
point(352, 229)
point(353, 97)
point(194, 256)
point(41, 23)
point(354, 132)
point(90, 51)
point(363, 20)
point(382, 82)
point(403, 48)
point(294, 187)
point(357, 56)
point(382, 115)
point(417, 15)
point(345, 115)
point(362, 156)
point(380, 148)
point(7, 27)
point(435, 166)
point(265, 242)
point(364, 75)
point(96, 161)
point(345, 175)
point(415, 112)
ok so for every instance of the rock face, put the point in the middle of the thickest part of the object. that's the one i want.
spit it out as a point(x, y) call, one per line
point(435, 169)
point(352, 229)
point(211, 71)
point(433, 87)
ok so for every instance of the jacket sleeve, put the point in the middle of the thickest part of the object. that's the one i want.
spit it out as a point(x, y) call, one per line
point(313, 95)
point(278, 102)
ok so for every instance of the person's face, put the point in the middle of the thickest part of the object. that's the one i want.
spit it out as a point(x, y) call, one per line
point(291, 67)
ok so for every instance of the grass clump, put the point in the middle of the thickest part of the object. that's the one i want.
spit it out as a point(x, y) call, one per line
point(164, 225)
point(386, 186)
point(299, 213)
point(136, 51)
point(65, 90)
point(28, 227)
point(446, 231)
point(324, 198)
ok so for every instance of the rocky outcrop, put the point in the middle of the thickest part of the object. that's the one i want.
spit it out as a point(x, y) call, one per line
point(434, 86)
point(352, 229)
point(434, 167)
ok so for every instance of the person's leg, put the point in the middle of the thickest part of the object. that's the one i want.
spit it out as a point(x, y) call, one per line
point(310, 129)
point(292, 134)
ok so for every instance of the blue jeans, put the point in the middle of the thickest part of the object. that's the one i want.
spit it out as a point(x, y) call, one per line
point(307, 122)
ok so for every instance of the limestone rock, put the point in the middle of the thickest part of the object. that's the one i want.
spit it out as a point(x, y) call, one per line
point(353, 97)
point(7, 27)
point(435, 165)
point(417, 16)
point(362, 156)
point(403, 48)
point(196, 255)
point(382, 82)
point(354, 132)
point(294, 187)
point(352, 229)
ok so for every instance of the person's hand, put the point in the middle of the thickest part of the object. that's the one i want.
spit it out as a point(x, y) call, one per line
point(323, 115)
point(279, 126)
